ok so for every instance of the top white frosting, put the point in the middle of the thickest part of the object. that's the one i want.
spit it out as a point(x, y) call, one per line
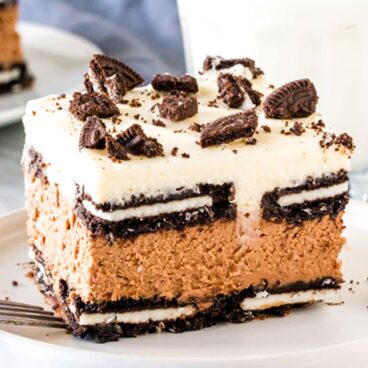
point(277, 160)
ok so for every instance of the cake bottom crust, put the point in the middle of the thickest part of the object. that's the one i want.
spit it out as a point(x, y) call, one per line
point(224, 308)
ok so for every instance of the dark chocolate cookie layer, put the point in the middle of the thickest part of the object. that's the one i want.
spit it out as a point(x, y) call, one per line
point(296, 214)
point(24, 81)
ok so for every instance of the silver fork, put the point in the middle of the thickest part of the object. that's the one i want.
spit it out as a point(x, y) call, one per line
point(21, 314)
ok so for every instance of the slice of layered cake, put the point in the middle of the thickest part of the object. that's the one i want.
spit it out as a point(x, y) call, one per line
point(185, 202)
point(14, 74)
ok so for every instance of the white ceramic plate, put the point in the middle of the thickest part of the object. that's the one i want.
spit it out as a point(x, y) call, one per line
point(313, 337)
point(56, 58)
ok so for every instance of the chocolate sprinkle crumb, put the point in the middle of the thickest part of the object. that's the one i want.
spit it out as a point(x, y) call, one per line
point(93, 134)
point(15, 283)
point(158, 122)
point(251, 141)
point(177, 108)
point(84, 105)
point(185, 155)
point(134, 103)
point(296, 99)
point(168, 83)
point(196, 127)
point(297, 129)
point(266, 128)
point(115, 149)
point(136, 142)
point(174, 151)
point(229, 128)
point(327, 140)
point(345, 140)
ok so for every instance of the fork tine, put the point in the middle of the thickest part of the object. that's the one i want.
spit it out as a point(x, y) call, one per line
point(25, 310)
point(20, 305)
point(30, 316)
point(29, 322)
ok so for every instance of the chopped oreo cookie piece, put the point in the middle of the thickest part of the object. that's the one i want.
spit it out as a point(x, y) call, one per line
point(229, 90)
point(296, 99)
point(110, 76)
point(234, 89)
point(115, 89)
point(152, 148)
point(168, 83)
point(219, 63)
point(136, 142)
point(246, 85)
point(229, 128)
point(177, 107)
point(93, 134)
point(84, 105)
point(115, 149)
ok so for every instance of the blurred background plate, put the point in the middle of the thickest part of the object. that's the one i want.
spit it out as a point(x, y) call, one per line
point(57, 59)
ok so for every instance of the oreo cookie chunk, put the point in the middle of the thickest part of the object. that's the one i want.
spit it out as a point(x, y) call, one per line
point(93, 134)
point(246, 85)
point(296, 99)
point(115, 149)
point(136, 142)
point(229, 90)
point(168, 83)
point(110, 76)
point(219, 63)
point(84, 105)
point(178, 107)
point(235, 89)
point(229, 128)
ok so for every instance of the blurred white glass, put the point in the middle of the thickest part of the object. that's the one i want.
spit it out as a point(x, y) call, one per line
point(324, 40)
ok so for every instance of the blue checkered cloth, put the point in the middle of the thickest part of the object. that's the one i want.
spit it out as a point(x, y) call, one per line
point(145, 34)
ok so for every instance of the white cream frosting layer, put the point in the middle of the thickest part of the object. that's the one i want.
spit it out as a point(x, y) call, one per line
point(264, 300)
point(277, 160)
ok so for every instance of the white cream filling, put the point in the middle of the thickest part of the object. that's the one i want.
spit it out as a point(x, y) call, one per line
point(9, 75)
point(154, 315)
point(94, 82)
point(40, 267)
point(264, 300)
point(312, 195)
point(149, 210)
